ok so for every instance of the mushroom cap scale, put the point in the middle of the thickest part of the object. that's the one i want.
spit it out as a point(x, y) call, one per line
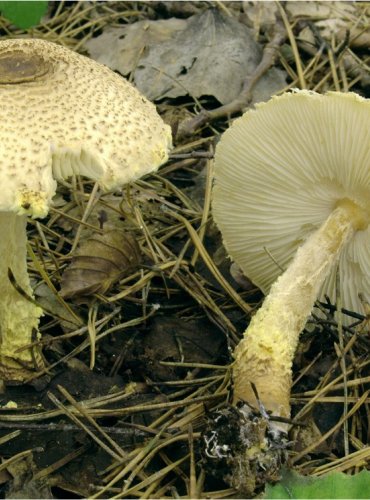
point(280, 170)
point(66, 114)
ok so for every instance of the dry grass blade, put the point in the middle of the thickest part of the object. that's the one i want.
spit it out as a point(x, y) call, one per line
point(210, 264)
point(138, 456)
point(206, 208)
point(293, 44)
point(8, 437)
point(339, 424)
point(355, 459)
point(151, 479)
point(86, 415)
point(50, 284)
point(43, 473)
point(76, 420)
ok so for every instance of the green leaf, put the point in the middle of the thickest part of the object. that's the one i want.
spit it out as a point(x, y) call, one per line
point(333, 485)
point(24, 14)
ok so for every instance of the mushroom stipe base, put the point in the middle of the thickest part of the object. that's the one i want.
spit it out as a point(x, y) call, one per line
point(241, 446)
point(265, 355)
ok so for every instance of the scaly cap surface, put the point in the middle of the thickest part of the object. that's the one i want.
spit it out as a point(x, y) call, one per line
point(63, 114)
point(280, 171)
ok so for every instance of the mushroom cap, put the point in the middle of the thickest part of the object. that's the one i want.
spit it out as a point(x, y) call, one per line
point(280, 170)
point(63, 114)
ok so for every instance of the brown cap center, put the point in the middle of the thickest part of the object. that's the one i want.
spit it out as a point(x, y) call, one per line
point(20, 67)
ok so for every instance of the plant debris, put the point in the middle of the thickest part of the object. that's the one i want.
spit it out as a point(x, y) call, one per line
point(98, 262)
point(210, 53)
point(122, 47)
point(160, 335)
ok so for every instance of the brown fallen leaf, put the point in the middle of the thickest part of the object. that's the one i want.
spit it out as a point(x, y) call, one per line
point(120, 48)
point(209, 54)
point(212, 55)
point(99, 262)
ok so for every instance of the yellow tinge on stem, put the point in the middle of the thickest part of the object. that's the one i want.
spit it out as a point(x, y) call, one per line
point(265, 355)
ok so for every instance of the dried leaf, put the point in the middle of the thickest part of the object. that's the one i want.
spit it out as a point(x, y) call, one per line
point(121, 48)
point(262, 15)
point(324, 11)
point(99, 262)
point(212, 56)
point(116, 210)
point(208, 54)
point(330, 18)
point(24, 485)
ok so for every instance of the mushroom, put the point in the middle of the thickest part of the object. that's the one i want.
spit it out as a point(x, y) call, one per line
point(62, 114)
point(292, 191)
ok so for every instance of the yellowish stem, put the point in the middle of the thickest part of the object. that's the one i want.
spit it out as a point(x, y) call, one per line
point(19, 318)
point(265, 354)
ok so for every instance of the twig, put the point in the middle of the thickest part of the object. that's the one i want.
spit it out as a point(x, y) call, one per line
point(271, 50)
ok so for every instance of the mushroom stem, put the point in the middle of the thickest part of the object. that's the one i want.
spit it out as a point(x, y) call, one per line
point(19, 318)
point(265, 354)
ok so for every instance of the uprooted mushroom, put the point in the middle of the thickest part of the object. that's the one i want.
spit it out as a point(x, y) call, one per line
point(62, 114)
point(292, 192)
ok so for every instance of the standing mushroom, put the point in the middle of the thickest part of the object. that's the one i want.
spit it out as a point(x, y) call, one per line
point(61, 114)
point(293, 192)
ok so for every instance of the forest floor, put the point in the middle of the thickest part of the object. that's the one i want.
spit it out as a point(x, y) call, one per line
point(160, 337)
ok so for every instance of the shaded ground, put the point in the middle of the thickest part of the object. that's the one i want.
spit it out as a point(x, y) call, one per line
point(164, 330)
